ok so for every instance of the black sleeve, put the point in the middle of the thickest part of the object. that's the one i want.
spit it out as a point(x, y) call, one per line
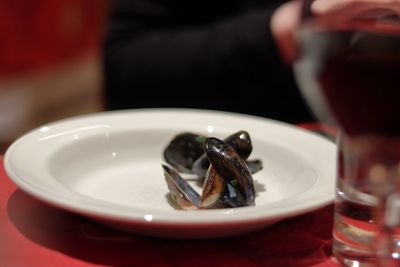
point(160, 53)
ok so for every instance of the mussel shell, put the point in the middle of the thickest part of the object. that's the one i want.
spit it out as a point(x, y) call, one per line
point(182, 193)
point(230, 196)
point(213, 187)
point(254, 165)
point(183, 150)
point(240, 141)
point(200, 166)
point(233, 169)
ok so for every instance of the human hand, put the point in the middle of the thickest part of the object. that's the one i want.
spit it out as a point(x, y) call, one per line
point(367, 14)
point(361, 14)
point(350, 9)
point(283, 24)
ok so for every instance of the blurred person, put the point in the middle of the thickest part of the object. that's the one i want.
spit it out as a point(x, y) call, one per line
point(200, 54)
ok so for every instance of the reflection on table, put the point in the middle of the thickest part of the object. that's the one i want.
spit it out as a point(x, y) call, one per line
point(36, 234)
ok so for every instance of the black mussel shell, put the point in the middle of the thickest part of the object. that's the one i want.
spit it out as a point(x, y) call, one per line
point(182, 193)
point(233, 169)
point(200, 166)
point(213, 187)
point(183, 150)
point(240, 141)
point(254, 165)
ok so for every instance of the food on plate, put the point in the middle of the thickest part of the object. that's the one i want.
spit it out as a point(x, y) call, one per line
point(221, 165)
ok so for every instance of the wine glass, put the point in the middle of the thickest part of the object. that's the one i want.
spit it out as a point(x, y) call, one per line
point(348, 68)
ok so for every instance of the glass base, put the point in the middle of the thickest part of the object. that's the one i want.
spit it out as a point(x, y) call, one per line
point(355, 236)
point(352, 239)
point(350, 256)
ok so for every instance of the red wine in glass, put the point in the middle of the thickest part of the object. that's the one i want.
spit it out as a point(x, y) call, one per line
point(349, 73)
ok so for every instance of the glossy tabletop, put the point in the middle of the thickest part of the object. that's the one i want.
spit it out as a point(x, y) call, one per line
point(36, 234)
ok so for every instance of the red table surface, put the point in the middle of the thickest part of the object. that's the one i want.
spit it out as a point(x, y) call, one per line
point(33, 233)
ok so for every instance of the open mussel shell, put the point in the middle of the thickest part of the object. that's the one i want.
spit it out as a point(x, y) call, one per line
point(183, 150)
point(200, 166)
point(239, 190)
point(181, 192)
point(240, 141)
point(254, 165)
point(213, 187)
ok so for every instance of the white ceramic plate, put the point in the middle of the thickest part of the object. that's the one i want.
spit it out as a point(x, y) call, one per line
point(107, 166)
